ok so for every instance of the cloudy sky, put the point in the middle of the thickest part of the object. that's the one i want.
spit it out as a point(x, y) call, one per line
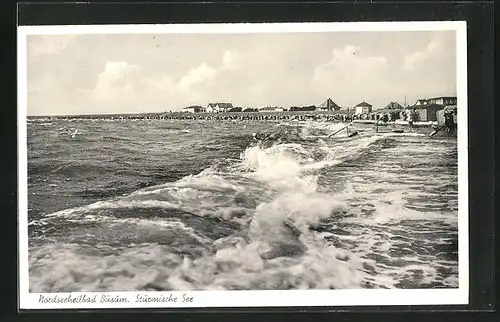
point(89, 74)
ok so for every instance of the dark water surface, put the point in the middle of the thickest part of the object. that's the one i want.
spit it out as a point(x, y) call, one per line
point(193, 205)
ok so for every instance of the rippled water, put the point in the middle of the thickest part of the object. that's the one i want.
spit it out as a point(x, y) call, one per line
point(193, 205)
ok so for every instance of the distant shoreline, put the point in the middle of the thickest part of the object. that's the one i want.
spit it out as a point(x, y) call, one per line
point(186, 115)
point(325, 116)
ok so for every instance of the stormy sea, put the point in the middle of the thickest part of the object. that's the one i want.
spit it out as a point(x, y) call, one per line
point(159, 205)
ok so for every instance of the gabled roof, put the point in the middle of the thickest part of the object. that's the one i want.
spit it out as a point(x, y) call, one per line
point(445, 97)
point(393, 106)
point(363, 104)
point(329, 103)
point(223, 105)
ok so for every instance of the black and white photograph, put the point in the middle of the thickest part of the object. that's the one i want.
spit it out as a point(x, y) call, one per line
point(176, 161)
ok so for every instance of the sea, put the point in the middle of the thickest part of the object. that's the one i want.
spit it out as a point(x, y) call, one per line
point(165, 205)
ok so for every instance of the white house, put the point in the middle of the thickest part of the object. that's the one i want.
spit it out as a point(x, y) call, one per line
point(362, 108)
point(442, 100)
point(420, 102)
point(218, 107)
point(427, 109)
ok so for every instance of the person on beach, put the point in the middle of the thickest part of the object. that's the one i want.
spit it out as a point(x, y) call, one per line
point(394, 116)
point(448, 121)
point(385, 118)
point(404, 115)
point(413, 117)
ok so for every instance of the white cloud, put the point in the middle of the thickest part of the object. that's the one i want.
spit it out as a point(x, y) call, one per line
point(431, 71)
point(201, 74)
point(206, 75)
point(110, 75)
point(118, 81)
point(347, 64)
point(351, 76)
point(230, 60)
point(416, 59)
point(125, 87)
point(117, 75)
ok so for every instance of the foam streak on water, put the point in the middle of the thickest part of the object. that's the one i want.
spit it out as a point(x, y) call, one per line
point(181, 205)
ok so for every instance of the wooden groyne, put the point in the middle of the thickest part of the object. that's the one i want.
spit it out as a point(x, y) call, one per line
point(322, 116)
point(242, 116)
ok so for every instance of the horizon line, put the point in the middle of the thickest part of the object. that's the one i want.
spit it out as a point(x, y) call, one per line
point(179, 110)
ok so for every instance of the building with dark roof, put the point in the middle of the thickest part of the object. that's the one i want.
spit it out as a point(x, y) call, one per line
point(328, 105)
point(393, 106)
point(193, 109)
point(441, 100)
point(424, 113)
point(427, 109)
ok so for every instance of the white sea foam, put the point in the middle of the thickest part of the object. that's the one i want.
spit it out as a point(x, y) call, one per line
point(110, 204)
point(66, 267)
point(272, 194)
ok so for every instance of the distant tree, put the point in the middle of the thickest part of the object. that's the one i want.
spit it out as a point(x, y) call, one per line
point(235, 109)
point(249, 109)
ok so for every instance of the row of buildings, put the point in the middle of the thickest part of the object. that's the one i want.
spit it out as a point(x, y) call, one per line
point(327, 105)
point(422, 110)
point(210, 108)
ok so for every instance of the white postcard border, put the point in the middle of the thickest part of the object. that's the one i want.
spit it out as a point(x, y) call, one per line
point(360, 297)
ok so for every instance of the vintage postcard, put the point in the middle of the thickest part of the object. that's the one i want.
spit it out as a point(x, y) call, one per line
point(243, 165)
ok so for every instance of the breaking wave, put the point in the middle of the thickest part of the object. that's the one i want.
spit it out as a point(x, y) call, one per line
point(264, 221)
